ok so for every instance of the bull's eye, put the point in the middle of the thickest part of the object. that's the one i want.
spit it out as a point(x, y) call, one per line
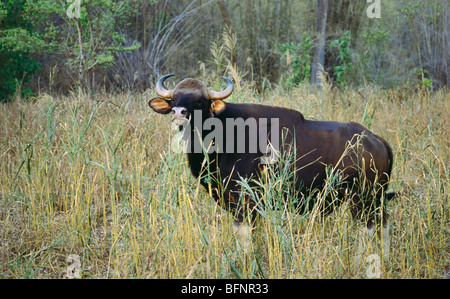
point(184, 111)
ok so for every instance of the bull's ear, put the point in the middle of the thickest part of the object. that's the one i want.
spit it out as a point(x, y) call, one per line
point(160, 105)
point(218, 106)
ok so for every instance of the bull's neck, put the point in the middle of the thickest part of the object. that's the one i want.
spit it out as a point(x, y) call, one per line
point(200, 164)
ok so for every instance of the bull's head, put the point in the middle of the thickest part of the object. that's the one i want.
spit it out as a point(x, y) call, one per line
point(187, 96)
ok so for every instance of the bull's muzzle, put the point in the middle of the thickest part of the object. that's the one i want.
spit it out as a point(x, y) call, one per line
point(179, 115)
point(179, 112)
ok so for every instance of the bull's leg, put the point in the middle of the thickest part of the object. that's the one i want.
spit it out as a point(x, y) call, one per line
point(243, 233)
point(362, 212)
point(383, 228)
point(244, 216)
point(386, 239)
point(383, 233)
point(244, 223)
point(362, 244)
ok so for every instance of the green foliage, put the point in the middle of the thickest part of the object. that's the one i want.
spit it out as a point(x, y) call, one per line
point(344, 70)
point(417, 14)
point(298, 58)
point(98, 48)
point(425, 81)
point(414, 10)
point(94, 32)
point(85, 43)
point(16, 69)
point(374, 56)
point(17, 41)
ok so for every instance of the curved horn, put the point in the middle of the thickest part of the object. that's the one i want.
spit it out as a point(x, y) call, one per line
point(214, 95)
point(161, 90)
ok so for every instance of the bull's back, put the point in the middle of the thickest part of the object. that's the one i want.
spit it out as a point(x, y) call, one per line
point(349, 147)
point(346, 146)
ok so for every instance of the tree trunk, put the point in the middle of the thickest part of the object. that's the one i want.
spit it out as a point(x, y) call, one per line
point(81, 69)
point(227, 21)
point(319, 49)
point(225, 13)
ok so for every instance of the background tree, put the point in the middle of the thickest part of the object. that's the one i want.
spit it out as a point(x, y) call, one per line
point(85, 43)
point(317, 66)
point(117, 46)
point(173, 37)
point(17, 43)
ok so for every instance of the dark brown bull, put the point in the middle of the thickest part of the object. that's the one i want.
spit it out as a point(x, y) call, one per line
point(363, 159)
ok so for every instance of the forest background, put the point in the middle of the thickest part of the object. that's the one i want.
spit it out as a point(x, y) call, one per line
point(116, 46)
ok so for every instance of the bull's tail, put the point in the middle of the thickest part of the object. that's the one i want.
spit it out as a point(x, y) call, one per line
point(390, 195)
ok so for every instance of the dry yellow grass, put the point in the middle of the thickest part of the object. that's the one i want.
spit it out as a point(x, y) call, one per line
point(98, 180)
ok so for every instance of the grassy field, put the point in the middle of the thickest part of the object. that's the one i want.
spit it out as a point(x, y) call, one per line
point(97, 179)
